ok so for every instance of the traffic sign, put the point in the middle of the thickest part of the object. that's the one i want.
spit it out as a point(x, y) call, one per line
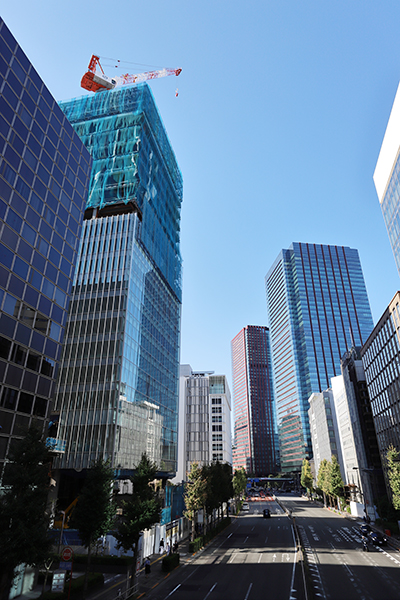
point(67, 554)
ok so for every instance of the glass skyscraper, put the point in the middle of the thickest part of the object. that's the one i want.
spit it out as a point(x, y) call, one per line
point(253, 402)
point(387, 178)
point(118, 387)
point(44, 176)
point(318, 308)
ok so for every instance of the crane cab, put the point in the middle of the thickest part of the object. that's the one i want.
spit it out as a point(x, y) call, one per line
point(95, 82)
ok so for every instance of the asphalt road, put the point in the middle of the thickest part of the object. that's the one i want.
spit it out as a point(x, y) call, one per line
point(340, 569)
point(251, 560)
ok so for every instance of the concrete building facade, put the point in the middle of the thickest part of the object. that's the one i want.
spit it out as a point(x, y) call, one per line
point(204, 420)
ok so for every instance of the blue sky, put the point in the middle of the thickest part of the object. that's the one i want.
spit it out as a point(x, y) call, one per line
point(281, 112)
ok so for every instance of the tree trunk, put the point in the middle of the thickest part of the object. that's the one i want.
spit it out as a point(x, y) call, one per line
point(85, 583)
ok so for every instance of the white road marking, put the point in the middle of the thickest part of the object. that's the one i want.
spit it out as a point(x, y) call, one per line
point(248, 591)
point(174, 590)
point(205, 598)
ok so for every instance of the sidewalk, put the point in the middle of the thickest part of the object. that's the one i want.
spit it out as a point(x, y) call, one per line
point(157, 575)
point(115, 585)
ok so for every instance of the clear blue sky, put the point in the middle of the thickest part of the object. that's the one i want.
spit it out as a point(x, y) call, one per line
point(281, 112)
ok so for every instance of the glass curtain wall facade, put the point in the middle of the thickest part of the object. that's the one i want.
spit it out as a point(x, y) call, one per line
point(318, 308)
point(118, 387)
point(253, 400)
point(387, 178)
point(381, 359)
point(44, 176)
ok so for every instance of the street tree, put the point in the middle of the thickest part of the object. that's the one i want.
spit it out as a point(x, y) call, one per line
point(239, 482)
point(195, 494)
point(322, 478)
point(393, 463)
point(24, 519)
point(335, 481)
point(141, 511)
point(219, 488)
point(306, 476)
point(94, 513)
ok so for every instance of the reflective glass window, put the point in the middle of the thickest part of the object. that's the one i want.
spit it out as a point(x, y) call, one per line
point(25, 403)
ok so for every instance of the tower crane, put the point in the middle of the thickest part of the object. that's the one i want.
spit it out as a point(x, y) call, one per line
point(96, 81)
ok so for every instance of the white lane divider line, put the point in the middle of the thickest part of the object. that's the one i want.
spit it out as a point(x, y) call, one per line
point(174, 590)
point(205, 598)
point(248, 592)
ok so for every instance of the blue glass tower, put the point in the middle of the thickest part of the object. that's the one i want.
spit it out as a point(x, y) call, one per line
point(318, 308)
point(44, 176)
point(118, 388)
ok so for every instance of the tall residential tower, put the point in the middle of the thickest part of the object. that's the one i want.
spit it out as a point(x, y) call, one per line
point(253, 400)
point(118, 387)
point(318, 308)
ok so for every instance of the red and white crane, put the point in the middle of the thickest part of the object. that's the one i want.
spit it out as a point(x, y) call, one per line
point(95, 81)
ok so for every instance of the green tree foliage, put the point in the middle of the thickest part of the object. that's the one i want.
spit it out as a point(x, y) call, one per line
point(23, 518)
point(195, 493)
point(336, 485)
point(393, 464)
point(322, 478)
point(219, 488)
point(94, 512)
point(306, 476)
point(239, 482)
point(141, 511)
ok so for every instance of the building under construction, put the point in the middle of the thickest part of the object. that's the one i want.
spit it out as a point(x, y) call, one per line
point(117, 394)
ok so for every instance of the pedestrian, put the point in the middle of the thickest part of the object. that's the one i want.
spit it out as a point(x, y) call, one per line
point(167, 548)
point(161, 546)
point(175, 548)
point(147, 566)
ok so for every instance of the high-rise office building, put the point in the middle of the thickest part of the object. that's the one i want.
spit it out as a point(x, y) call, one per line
point(318, 308)
point(204, 420)
point(118, 388)
point(324, 429)
point(387, 178)
point(381, 359)
point(44, 176)
point(253, 401)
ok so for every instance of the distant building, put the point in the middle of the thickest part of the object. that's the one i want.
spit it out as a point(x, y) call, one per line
point(318, 308)
point(381, 359)
point(254, 411)
point(387, 178)
point(204, 420)
point(324, 430)
point(44, 176)
point(117, 392)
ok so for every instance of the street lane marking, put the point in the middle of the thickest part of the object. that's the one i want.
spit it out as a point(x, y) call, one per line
point(174, 590)
point(259, 558)
point(248, 591)
point(266, 540)
point(205, 598)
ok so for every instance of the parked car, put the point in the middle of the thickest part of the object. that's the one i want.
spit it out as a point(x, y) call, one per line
point(377, 538)
point(245, 506)
point(266, 513)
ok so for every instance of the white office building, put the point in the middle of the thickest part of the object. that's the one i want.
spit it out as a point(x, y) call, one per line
point(204, 420)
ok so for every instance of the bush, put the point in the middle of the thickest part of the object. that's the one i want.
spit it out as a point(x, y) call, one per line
point(81, 559)
point(196, 545)
point(54, 596)
point(170, 562)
